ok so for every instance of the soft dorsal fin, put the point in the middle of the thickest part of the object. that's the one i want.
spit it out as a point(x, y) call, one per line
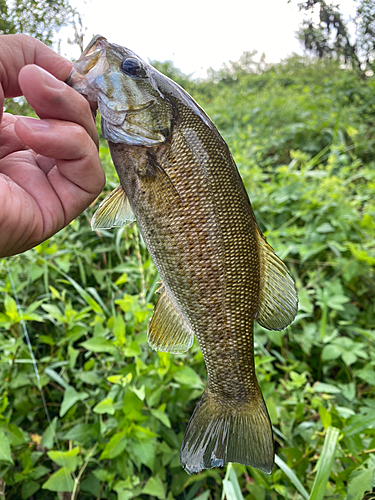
point(278, 295)
point(114, 211)
point(167, 330)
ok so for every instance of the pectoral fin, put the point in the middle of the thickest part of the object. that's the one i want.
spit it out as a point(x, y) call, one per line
point(168, 331)
point(278, 296)
point(158, 184)
point(114, 211)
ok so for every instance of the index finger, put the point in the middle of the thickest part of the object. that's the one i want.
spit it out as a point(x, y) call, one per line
point(52, 98)
point(16, 51)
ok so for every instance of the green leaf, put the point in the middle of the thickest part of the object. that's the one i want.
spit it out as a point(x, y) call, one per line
point(71, 397)
point(132, 406)
point(163, 417)
point(143, 432)
point(359, 423)
point(155, 488)
point(144, 451)
point(119, 329)
point(83, 433)
point(349, 358)
point(67, 459)
point(115, 446)
point(49, 435)
point(91, 378)
point(99, 344)
point(132, 350)
point(330, 352)
point(59, 481)
point(325, 416)
point(367, 374)
point(336, 302)
point(325, 463)
point(29, 488)
point(126, 303)
point(122, 380)
point(291, 475)
point(11, 309)
point(204, 496)
point(39, 472)
point(5, 454)
point(360, 483)
point(56, 377)
point(327, 388)
point(105, 406)
point(141, 392)
point(73, 355)
point(304, 301)
point(126, 491)
point(325, 228)
point(16, 435)
point(187, 376)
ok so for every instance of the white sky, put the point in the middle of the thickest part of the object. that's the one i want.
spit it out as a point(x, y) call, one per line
point(195, 34)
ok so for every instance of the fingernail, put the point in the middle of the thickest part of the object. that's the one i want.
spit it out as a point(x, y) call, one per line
point(50, 80)
point(34, 124)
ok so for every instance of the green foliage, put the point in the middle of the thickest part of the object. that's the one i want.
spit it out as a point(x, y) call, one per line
point(41, 19)
point(302, 136)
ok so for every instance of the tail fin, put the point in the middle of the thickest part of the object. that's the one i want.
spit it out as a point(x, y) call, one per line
point(217, 435)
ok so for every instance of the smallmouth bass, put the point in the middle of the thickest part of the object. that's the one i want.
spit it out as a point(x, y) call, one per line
point(179, 181)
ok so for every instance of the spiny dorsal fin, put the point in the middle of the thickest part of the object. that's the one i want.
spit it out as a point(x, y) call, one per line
point(114, 211)
point(278, 295)
point(167, 331)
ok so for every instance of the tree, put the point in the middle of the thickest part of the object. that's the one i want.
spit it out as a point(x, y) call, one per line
point(41, 19)
point(332, 36)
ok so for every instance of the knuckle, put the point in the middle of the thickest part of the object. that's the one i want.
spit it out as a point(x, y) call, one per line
point(84, 105)
point(80, 134)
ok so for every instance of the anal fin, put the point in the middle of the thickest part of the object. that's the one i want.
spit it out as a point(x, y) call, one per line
point(278, 295)
point(167, 330)
point(114, 211)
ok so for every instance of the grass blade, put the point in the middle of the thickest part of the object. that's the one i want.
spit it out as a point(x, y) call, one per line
point(231, 487)
point(291, 476)
point(324, 464)
point(85, 296)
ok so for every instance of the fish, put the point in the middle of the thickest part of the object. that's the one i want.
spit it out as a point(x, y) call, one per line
point(178, 180)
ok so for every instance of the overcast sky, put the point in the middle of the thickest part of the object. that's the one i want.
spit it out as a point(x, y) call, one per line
point(195, 34)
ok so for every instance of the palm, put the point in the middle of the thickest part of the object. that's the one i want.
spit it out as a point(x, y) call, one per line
point(25, 191)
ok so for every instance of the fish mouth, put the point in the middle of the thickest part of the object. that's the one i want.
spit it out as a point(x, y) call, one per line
point(91, 63)
point(98, 43)
point(91, 56)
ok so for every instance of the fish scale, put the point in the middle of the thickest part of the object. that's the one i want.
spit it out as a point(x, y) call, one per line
point(218, 272)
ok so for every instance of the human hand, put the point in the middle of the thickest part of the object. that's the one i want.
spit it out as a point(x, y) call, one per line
point(49, 168)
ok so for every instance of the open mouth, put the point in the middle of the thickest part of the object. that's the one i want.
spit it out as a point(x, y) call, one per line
point(99, 42)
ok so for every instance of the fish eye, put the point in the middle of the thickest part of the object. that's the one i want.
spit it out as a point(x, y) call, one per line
point(132, 67)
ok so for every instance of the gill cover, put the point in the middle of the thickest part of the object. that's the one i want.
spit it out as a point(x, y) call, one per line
point(133, 109)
